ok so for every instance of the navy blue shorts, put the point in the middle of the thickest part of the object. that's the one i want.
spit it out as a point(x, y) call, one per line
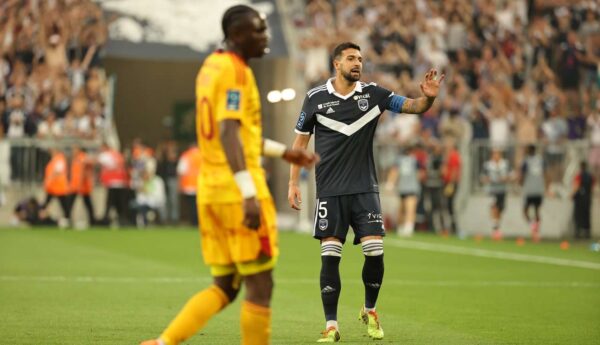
point(335, 214)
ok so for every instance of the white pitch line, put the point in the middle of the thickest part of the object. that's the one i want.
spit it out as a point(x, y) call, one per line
point(298, 281)
point(485, 253)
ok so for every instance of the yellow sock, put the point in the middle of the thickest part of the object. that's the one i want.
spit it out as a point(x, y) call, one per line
point(194, 315)
point(256, 324)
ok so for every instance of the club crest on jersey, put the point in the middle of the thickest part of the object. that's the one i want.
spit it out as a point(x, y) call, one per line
point(363, 104)
point(323, 223)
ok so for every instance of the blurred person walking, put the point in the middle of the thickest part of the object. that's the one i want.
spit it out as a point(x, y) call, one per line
point(188, 169)
point(167, 170)
point(496, 175)
point(114, 177)
point(582, 201)
point(451, 170)
point(406, 177)
point(534, 187)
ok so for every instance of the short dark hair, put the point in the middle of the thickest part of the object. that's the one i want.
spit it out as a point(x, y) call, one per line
point(531, 149)
point(233, 15)
point(337, 52)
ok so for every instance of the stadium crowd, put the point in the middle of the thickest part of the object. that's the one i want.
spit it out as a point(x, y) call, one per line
point(518, 73)
point(52, 84)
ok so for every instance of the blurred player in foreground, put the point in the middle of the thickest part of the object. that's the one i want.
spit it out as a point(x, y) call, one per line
point(236, 211)
point(343, 115)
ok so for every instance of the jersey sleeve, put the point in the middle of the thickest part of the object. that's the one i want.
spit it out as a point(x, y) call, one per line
point(306, 120)
point(230, 97)
point(389, 100)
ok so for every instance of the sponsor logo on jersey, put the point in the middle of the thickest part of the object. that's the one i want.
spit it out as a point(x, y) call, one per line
point(366, 95)
point(328, 104)
point(301, 119)
point(323, 223)
point(233, 100)
point(363, 104)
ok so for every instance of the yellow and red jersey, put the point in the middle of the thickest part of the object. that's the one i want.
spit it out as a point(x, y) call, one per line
point(226, 89)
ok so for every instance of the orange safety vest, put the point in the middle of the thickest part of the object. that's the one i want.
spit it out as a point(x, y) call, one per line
point(82, 174)
point(188, 179)
point(56, 181)
point(115, 176)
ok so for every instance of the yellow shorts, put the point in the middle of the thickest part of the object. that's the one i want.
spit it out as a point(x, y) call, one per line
point(228, 246)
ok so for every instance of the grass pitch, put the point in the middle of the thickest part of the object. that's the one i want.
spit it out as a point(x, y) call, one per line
point(120, 287)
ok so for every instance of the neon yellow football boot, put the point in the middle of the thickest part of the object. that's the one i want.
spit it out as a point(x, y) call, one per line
point(372, 321)
point(330, 335)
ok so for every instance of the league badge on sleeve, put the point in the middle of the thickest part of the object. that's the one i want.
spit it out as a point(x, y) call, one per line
point(233, 100)
point(363, 104)
point(301, 120)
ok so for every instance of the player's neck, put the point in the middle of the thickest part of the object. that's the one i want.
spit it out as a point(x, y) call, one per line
point(230, 48)
point(343, 86)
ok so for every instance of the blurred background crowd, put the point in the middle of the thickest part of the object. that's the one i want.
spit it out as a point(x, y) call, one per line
point(518, 73)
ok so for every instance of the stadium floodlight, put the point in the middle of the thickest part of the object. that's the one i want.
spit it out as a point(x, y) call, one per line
point(274, 96)
point(288, 94)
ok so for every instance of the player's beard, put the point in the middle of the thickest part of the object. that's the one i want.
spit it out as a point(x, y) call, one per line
point(351, 78)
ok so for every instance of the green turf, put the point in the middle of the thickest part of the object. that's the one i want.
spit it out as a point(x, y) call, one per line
point(120, 287)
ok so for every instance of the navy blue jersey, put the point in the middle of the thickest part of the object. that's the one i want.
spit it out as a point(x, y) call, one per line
point(344, 127)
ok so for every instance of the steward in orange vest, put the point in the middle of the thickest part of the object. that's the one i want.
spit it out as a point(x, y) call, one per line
point(188, 169)
point(56, 182)
point(82, 181)
point(114, 176)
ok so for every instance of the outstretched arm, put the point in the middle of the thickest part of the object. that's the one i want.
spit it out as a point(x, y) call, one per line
point(430, 88)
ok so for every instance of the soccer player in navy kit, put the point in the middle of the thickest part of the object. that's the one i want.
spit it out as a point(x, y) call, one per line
point(343, 116)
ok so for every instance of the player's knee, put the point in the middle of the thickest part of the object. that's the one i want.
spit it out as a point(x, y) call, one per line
point(372, 247)
point(259, 288)
point(230, 285)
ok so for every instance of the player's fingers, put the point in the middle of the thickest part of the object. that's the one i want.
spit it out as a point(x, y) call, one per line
point(421, 86)
point(442, 78)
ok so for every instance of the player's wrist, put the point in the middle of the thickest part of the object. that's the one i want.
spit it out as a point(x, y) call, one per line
point(272, 148)
point(244, 181)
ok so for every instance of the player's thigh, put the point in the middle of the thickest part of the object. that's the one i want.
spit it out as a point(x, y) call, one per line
point(366, 216)
point(332, 218)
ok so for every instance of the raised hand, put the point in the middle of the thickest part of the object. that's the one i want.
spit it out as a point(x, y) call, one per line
point(431, 85)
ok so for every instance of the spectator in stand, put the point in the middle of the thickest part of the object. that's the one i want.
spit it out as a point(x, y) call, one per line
point(114, 177)
point(56, 184)
point(167, 170)
point(582, 199)
point(82, 181)
point(188, 169)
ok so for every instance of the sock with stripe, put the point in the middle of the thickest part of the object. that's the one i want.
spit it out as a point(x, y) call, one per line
point(194, 315)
